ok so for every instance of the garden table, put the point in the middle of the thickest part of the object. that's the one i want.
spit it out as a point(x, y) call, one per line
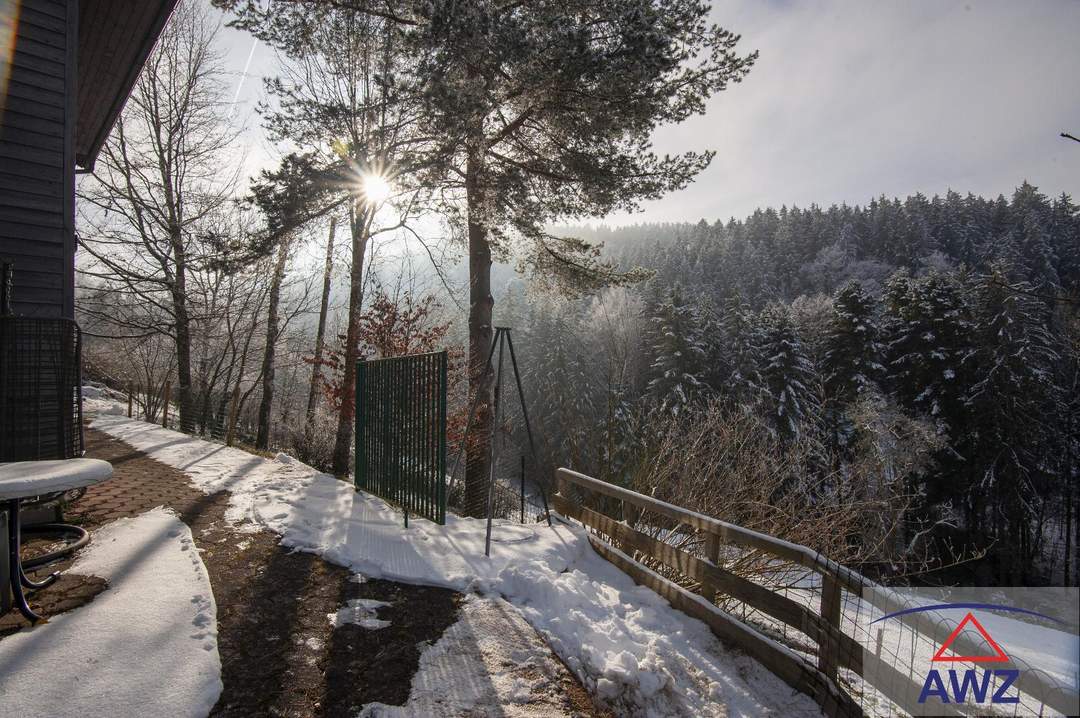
point(26, 479)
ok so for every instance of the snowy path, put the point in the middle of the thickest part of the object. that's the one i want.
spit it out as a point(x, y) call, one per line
point(490, 662)
point(624, 642)
point(147, 645)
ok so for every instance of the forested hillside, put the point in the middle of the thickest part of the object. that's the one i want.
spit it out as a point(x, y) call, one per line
point(896, 384)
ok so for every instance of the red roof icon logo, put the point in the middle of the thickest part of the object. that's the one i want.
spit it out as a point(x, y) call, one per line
point(998, 656)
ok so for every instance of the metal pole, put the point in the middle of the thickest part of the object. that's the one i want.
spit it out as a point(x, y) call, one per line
point(528, 425)
point(494, 444)
point(78, 390)
point(360, 465)
point(441, 437)
point(472, 415)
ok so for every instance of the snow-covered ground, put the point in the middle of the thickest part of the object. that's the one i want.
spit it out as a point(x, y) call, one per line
point(489, 657)
point(146, 646)
point(626, 644)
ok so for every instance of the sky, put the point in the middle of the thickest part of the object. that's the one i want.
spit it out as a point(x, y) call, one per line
point(852, 100)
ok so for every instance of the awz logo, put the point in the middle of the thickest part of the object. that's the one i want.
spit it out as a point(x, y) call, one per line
point(968, 680)
point(972, 686)
point(961, 683)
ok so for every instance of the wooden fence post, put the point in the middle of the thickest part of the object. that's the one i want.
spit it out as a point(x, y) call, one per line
point(232, 416)
point(165, 406)
point(891, 675)
point(712, 553)
point(828, 646)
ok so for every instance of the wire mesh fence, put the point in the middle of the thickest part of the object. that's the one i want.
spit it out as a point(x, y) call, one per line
point(40, 404)
point(401, 431)
point(841, 627)
point(218, 415)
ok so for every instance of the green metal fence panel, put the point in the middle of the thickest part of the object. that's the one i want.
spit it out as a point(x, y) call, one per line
point(401, 432)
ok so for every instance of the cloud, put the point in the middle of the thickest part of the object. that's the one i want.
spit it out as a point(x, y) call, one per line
point(851, 100)
point(856, 99)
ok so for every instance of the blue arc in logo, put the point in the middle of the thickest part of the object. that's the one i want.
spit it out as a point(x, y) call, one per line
point(969, 606)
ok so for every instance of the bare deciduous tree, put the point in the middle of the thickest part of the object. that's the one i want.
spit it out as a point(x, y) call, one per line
point(157, 183)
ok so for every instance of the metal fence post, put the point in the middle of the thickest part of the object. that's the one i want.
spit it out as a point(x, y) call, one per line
point(441, 439)
point(360, 458)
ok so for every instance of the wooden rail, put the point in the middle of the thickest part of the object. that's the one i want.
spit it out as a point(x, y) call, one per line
point(836, 649)
point(789, 666)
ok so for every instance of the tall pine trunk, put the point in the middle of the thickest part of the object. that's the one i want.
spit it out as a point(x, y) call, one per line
point(320, 334)
point(262, 438)
point(481, 305)
point(358, 228)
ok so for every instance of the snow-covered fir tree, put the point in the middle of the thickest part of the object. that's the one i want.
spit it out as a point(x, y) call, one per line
point(1015, 439)
point(563, 374)
point(852, 363)
point(679, 351)
point(853, 352)
point(788, 376)
point(929, 343)
point(737, 346)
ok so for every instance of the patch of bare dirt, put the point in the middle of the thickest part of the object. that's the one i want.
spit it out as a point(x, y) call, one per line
point(280, 654)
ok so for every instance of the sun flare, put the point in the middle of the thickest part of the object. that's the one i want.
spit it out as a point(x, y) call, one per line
point(376, 187)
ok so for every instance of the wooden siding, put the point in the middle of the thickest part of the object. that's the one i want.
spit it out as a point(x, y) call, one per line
point(37, 161)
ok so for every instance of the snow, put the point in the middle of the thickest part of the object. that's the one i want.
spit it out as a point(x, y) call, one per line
point(19, 479)
point(360, 611)
point(634, 651)
point(488, 663)
point(316, 512)
point(102, 400)
point(624, 642)
point(147, 645)
point(1055, 653)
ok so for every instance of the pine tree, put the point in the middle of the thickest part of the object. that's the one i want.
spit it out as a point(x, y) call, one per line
point(788, 376)
point(679, 353)
point(1012, 403)
point(929, 344)
point(566, 401)
point(853, 352)
point(737, 352)
point(539, 111)
point(852, 363)
point(1065, 236)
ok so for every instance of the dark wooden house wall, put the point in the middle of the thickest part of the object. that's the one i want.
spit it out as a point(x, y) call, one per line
point(37, 159)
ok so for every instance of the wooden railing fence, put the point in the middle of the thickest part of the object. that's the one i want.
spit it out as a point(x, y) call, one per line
point(835, 648)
